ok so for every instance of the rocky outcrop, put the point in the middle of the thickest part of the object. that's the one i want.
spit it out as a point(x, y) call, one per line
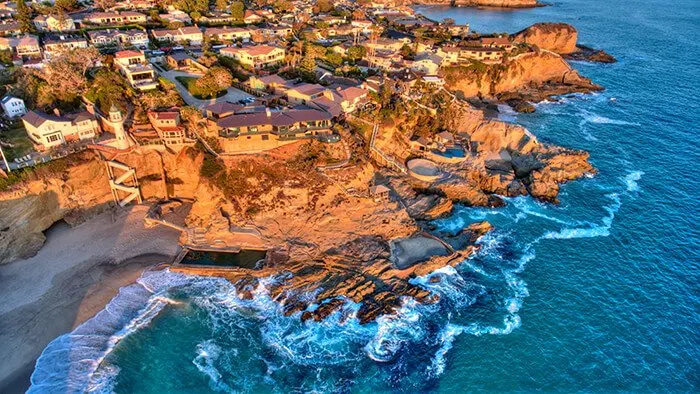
point(560, 38)
point(531, 76)
point(360, 271)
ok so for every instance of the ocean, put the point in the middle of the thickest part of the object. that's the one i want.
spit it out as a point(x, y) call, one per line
point(599, 293)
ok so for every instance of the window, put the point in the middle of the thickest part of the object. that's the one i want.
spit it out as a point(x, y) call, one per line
point(253, 129)
point(265, 137)
point(53, 138)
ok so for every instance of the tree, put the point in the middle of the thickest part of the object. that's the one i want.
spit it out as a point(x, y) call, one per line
point(195, 15)
point(24, 17)
point(356, 52)
point(104, 4)
point(448, 21)
point(358, 15)
point(65, 74)
point(189, 6)
point(406, 51)
point(237, 11)
point(66, 5)
point(221, 5)
point(206, 44)
point(324, 6)
point(333, 58)
point(107, 88)
point(282, 6)
point(214, 81)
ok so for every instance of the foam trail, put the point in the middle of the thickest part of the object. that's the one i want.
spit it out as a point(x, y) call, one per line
point(447, 338)
point(207, 354)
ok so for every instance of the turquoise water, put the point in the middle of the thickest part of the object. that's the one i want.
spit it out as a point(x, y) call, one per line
point(597, 294)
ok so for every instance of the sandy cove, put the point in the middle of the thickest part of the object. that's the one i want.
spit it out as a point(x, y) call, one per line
point(74, 275)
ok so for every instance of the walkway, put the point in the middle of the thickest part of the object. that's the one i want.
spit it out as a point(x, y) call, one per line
point(232, 94)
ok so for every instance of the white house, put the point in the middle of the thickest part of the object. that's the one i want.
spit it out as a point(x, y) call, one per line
point(13, 106)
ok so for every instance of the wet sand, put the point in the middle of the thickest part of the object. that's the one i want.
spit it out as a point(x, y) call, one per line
point(75, 274)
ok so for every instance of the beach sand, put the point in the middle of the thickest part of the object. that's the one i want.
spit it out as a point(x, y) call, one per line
point(74, 275)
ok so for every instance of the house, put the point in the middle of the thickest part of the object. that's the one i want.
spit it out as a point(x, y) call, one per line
point(497, 42)
point(433, 81)
point(139, 73)
point(385, 45)
point(252, 17)
point(256, 57)
point(216, 18)
point(53, 23)
point(10, 29)
point(178, 60)
point(13, 106)
point(167, 125)
point(421, 144)
point(426, 63)
point(23, 47)
point(49, 131)
point(221, 110)
point(269, 82)
point(189, 34)
point(176, 16)
point(229, 33)
point(449, 55)
point(55, 44)
point(277, 31)
point(484, 54)
point(115, 18)
point(305, 93)
point(380, 193)
point(445, 138)
point(101, 38)
point(263, 130)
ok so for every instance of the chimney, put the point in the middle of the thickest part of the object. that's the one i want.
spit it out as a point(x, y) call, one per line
point(57, 112)
point(267, 112)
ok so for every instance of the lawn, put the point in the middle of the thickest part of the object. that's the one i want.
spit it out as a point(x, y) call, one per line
point(189, 83)
point(16, 143)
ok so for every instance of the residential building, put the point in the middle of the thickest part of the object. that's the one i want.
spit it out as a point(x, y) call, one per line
point(229, 33)
point(426, 63)
point(13, 106)
point(305, 93)
point(48, 131)
point(10, 29)
point(23, 47)
point(115, 18)
point(252, 17)
point(269, 82)
point(256, 57)
point(263, 130)
point(189, 34)
point(167, 125)
point(484, 54)
point(216, 18)
point(174, 16)
point(53, 23)
point(139, 73)
point(55, 44)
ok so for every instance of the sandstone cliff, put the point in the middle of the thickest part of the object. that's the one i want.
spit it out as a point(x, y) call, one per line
point(560, 38)
point(78, 190)
point(533, 75)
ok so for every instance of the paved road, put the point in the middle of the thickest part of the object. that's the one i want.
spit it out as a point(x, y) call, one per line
point(232, 94)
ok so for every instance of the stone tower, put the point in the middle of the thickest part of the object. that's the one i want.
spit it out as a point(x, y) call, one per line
point(116, 120)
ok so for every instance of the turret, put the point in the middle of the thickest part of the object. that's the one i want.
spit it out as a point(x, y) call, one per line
point(117, 121)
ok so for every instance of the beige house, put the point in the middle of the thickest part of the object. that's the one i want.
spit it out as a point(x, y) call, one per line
point(53, 23)
point(115, 18)
point(48, 131)
point(229, 33)
point(189, 34)
point(139, 73)
point(167, 124)
point(263, 130)
point(54, 45)
point(256, 57)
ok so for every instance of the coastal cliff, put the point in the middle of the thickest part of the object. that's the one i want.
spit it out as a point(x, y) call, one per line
point(75, 189)
point(531, 76)
point(560, 38)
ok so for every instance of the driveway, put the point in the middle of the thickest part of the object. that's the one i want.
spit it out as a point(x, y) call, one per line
point(232, 94)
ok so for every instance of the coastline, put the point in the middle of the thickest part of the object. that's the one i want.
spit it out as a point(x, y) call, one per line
point(77, 272)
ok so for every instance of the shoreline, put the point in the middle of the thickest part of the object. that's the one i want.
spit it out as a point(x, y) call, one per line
point(80, 281)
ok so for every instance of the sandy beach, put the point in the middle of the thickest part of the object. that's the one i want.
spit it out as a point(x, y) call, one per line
point(74, 275)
